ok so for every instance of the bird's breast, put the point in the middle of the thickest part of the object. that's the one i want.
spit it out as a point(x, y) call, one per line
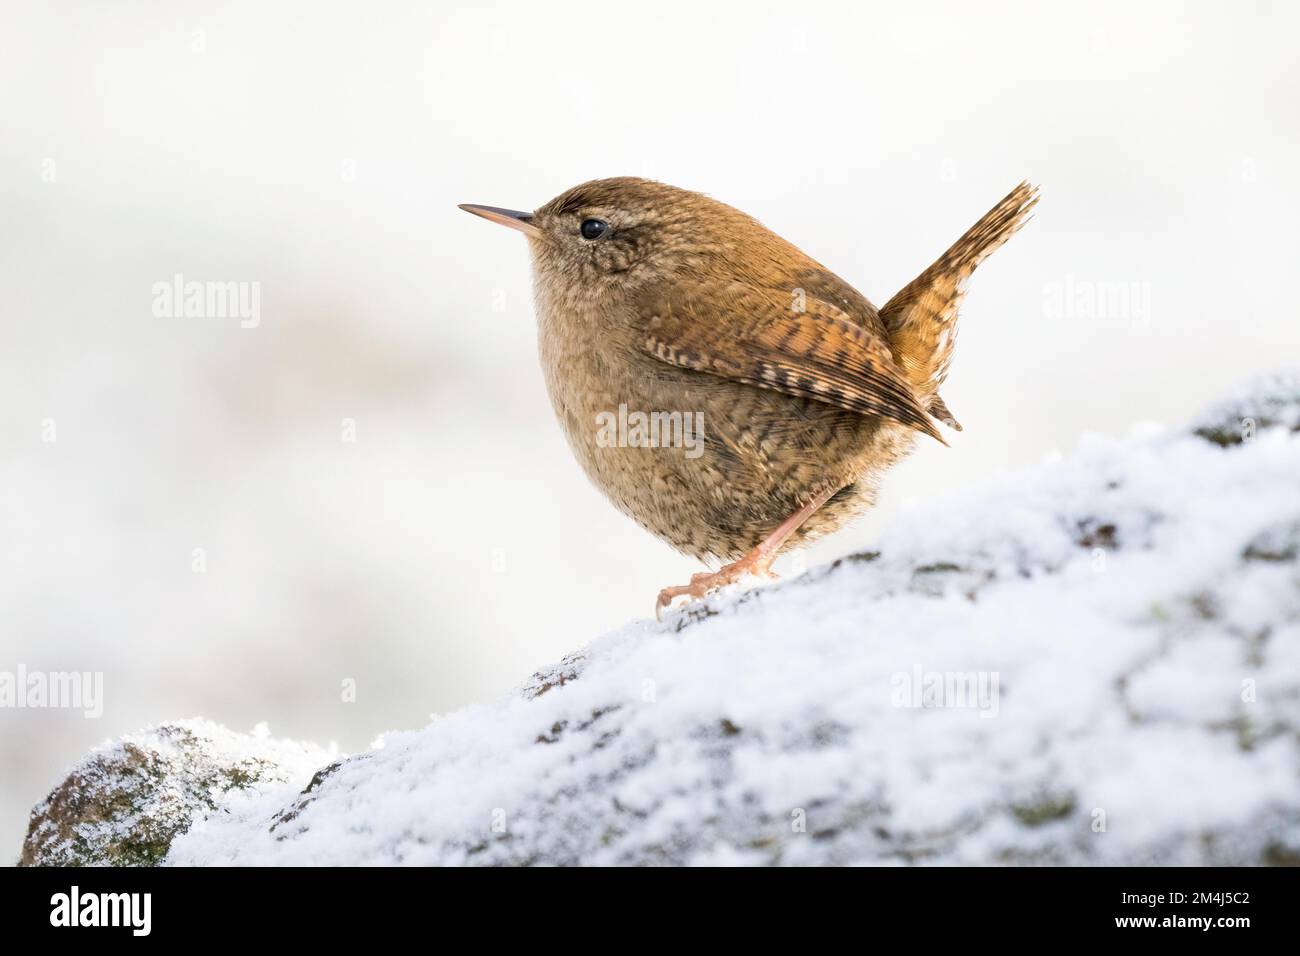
point(708, 464)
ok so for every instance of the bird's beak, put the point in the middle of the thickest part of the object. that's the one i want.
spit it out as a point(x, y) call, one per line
point(523, 221)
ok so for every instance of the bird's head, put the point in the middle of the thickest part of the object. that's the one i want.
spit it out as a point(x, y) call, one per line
point(620, 233)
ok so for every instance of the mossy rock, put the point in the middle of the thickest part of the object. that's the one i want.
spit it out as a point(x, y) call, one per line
point(125, 803)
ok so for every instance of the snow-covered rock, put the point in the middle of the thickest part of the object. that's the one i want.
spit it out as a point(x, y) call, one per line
point(1093, 661)
point(125, 802)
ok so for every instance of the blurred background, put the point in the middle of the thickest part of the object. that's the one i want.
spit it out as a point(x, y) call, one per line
point(369, 485)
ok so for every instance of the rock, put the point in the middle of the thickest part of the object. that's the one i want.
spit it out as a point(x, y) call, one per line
point(1096, 661)
point(125, 803)
point(1271, 402)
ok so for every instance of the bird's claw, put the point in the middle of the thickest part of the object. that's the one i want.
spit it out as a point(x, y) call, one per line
point(706, 582)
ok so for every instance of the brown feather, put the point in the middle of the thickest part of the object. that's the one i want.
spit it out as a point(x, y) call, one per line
point(753, 336)
point(921, 319)
point(686, 304)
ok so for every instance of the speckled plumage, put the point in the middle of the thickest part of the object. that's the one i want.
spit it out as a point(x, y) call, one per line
point(683, 273)
point(805, 391)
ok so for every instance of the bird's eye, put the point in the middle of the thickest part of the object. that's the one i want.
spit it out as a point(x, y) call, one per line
point(593, 229)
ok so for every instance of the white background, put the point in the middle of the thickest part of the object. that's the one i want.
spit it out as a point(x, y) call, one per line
point(320, 149)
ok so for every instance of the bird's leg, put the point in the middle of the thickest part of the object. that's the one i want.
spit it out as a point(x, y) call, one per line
point(757, 563)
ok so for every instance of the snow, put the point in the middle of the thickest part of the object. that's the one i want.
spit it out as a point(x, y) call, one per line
point(1128, 617)
point(127, 800)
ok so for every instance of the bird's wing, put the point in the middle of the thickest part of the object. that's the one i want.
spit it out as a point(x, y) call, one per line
point(787, 342)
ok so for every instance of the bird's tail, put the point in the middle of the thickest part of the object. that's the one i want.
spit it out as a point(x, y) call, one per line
point(922, 318)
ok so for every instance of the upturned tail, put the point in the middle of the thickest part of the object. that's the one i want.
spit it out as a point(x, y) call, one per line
point(922, 318)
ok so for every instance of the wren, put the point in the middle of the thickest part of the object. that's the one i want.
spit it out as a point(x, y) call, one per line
point(727, 392)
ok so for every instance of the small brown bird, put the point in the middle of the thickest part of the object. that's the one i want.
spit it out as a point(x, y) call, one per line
point(725, 391)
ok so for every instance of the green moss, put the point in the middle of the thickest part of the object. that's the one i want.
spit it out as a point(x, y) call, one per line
point(1045, 809)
